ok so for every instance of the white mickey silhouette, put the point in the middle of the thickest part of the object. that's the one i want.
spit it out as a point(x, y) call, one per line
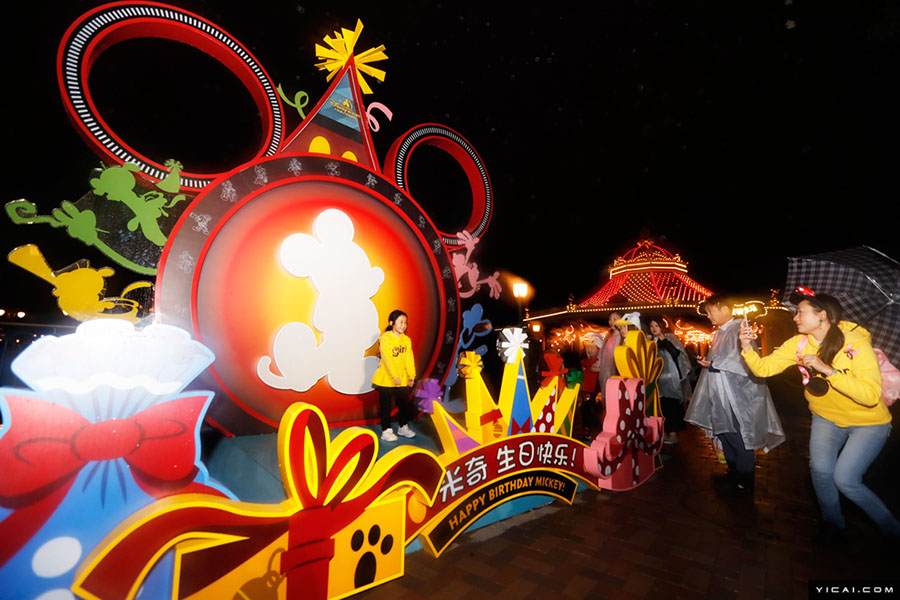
point(344, 313)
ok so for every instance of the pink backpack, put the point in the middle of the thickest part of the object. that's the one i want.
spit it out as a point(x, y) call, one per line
point(890, 378)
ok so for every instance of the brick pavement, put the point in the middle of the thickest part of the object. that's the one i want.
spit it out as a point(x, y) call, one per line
point(673, 537)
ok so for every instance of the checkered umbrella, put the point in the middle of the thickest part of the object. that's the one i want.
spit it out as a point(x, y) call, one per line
point(867, 284)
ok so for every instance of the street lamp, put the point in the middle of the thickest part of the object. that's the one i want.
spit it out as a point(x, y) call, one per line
point(520, 291)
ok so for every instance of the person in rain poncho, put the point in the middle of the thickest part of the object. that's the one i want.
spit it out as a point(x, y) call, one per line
point(731, 403)
point(674, 388)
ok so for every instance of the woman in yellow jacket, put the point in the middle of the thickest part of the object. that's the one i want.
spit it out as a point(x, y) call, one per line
point(850, 423)
point(395, 375)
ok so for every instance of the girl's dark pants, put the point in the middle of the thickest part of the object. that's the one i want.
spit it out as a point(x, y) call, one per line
point(400, 395)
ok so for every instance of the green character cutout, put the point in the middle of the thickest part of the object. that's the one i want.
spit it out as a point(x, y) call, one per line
point(117, 184)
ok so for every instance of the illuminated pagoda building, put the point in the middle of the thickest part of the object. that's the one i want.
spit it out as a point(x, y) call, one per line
point(648, 279)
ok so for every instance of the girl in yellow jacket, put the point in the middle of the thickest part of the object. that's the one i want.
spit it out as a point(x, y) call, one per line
point(850, 423)
point(395, 375)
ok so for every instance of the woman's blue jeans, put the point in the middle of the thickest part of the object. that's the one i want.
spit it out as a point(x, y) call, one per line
point(834, 469)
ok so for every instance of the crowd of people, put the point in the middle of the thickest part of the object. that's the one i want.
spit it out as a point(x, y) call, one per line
point(675, 383)
point(725, 394)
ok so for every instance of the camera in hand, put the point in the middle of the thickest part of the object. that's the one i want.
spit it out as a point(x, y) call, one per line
point(817, 386)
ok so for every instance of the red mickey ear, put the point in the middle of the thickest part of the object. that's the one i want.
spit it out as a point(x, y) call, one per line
point(806, 292)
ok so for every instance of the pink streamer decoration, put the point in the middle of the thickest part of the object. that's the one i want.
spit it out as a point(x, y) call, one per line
point(373, 122)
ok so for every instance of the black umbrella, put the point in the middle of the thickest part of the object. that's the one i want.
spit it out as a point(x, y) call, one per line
point(867, 284)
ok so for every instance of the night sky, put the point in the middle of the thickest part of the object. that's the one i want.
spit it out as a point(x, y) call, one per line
point(736, 133)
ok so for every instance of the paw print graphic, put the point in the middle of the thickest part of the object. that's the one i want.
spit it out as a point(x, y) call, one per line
point(368, 562)
point(369, 551)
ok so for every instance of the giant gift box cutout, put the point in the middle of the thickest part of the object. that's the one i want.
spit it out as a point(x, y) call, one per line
point(630, 439)
point(105, 431)
point(621, 456)
point(330, 485)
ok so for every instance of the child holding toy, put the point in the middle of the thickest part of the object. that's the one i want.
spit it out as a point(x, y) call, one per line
point(395, 375)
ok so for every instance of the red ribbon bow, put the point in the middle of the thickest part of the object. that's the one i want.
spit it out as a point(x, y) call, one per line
point(515, 428)
point(46, 445)
point(554, 368)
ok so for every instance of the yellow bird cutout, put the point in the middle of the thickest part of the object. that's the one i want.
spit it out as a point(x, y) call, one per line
point(341, 49)
point(79, 288)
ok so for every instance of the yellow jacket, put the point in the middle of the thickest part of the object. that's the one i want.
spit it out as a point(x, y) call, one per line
point(396, 361)
point(854, 392)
